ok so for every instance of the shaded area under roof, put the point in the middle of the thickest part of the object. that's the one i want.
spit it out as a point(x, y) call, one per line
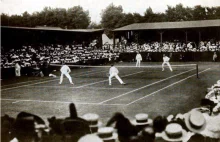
point(55, 29)
point(171, 25)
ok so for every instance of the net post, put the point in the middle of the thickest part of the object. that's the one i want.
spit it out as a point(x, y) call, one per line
point(197, 71)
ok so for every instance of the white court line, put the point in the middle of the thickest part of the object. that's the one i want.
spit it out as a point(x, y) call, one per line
point(64, 102)
point(40, 80)
point(63, 87)
point(84, 66)
point(145, 86)
point(166, 87)
point(45, 81)
point(105, 80)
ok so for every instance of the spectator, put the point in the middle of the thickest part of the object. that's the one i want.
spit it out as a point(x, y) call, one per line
point(17, 69)
point(215, 57)
point(124, 127)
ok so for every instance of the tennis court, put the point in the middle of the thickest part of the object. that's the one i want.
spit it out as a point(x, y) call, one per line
point(148, 90)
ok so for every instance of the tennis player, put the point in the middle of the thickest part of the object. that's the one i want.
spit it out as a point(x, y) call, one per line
point(113, 72)
point(166, 61)
point(65, 70)
point(138, 59)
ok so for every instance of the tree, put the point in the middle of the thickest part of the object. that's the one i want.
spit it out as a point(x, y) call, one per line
point(4, 19)
point(77, 18)
point(111, 16)
point(138, 18)
point(94, 25)
point(199, 13)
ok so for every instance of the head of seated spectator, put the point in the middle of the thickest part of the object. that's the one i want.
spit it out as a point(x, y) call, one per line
point(202, 125)
point(55, 125)
point(90, 138)
point(207, 106)
point(174, 133)
point(6, 127)
point(124, 127)
point(159, 123)
point(147, 134)
point(141, 121)
point(24, 129)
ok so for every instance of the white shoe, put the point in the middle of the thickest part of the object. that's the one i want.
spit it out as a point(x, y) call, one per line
point(72, 83)
point(123, 84)
point(109, 84)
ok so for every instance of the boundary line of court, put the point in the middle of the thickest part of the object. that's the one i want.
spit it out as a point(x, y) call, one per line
point(44, 81)
point(84, 66)
point(105, 80)
point(63, 87)
point(41, 80)
point(64, 102)
point(166, 87)
point(145, 86)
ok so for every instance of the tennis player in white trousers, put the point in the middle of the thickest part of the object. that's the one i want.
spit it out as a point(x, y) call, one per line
point(138, 59)
point(113, 72)
point(65, 70)
point(166, 61)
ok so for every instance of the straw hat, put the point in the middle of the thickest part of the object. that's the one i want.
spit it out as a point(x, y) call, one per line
point(174, 133)
point(107, 134)
point(93, 120)
point(195, 121)
point(212, 129)
point(90, 138)
point(141, 119)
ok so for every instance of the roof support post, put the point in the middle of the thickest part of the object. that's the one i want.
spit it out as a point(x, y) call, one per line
point(161, 37)
point(113, 40)
point(199, 36)
point(186, 36)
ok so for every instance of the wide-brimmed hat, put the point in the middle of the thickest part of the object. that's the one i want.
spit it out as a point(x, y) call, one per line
point(90, 138)
point(107, 134)
point(212, 128)
point(195, 121)
point(93, 120)
point(141, 119)
point(174, 133)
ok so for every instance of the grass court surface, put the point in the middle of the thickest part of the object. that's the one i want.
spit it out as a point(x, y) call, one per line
point(148, 90)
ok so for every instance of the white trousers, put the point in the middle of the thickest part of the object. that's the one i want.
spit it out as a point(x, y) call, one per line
point(168, 64)
point(138, 63)
point(67, 75)
point(116, 76)
point(17, 72)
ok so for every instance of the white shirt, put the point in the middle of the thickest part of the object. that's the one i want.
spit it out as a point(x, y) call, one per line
point(17, 66)
point(166, 59)
point(65, 69)
point(138, 57)
point(113, 70)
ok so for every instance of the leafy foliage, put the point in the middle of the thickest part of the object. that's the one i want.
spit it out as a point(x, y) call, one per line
point(111, 17)
point(74, 18)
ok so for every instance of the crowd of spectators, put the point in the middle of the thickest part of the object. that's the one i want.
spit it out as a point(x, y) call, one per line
point(71, 54)
point(167, 46)
point(198, 125)
point(34, 55)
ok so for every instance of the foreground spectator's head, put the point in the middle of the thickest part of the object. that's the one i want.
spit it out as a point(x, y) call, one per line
point(90, 138)
point(174, 132)
point(141, 121)
point(159, 123)
point(147, 134)
point(195, 121)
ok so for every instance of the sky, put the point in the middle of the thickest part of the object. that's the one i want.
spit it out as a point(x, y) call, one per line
point(95, 7)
